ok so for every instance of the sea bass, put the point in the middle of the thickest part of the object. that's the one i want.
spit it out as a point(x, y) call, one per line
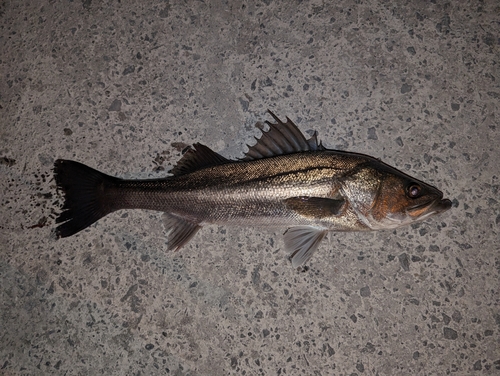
point(284, 180)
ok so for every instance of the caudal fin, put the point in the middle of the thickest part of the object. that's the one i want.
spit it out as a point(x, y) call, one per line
point(85, 191)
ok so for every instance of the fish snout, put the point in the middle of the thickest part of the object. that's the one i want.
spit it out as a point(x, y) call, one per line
point(442, 205)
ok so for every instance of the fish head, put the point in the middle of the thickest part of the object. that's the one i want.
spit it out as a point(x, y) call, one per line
point(391, 198)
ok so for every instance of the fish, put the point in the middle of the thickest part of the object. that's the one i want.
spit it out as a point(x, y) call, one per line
point(283, 181)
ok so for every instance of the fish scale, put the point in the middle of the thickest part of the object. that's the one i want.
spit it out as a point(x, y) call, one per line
point(246, 193)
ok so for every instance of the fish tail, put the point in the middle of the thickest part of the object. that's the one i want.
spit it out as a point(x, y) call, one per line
point(86, 193)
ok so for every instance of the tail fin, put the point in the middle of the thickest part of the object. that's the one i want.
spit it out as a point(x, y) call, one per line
point(85, 191)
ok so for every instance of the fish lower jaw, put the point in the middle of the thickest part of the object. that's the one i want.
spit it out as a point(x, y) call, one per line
point(386, 223)
point(389, 223)
point(425, 216)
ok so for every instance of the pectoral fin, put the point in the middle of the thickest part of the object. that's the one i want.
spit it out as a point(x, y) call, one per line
point(301, 242)
point(180, 230)
point(316, 207)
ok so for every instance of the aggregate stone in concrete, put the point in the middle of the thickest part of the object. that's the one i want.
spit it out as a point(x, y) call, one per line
point(125, 86)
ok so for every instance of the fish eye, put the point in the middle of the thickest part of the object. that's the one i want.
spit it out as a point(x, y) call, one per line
point(413, 190)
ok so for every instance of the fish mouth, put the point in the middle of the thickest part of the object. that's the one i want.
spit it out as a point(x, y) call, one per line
point(429, 208)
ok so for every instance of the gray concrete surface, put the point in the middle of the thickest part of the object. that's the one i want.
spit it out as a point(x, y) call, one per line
point(124, 86)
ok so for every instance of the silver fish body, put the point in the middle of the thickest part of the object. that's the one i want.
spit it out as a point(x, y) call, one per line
point(246, 193)
point(284, 181)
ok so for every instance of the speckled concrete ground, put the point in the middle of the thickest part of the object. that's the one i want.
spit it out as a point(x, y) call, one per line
point(124, 86)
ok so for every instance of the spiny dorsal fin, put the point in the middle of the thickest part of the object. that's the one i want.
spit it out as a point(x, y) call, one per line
point(281, 138)
point(197, 157)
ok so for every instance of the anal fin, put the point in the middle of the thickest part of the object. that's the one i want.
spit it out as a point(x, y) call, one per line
point(180, 230)
point(301, 242)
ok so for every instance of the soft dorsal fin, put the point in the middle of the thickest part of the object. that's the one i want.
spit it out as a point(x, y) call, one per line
point(281, 138)
point(197, 157)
